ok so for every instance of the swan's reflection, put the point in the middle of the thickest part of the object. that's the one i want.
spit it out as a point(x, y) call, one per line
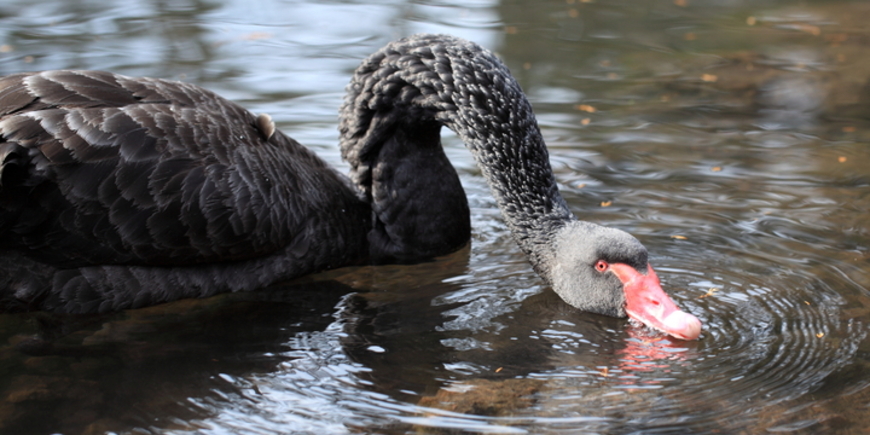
point(144, 368)
point(541, 338)
point(647, 351)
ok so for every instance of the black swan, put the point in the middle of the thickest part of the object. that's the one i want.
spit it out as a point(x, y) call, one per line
point(120, 192)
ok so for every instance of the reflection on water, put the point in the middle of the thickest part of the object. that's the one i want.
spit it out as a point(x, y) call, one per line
point(730, 137)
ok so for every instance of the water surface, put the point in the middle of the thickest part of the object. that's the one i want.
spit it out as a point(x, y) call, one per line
point(730, 137)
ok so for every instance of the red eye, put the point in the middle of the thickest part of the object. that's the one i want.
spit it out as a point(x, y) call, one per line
point(601, 266)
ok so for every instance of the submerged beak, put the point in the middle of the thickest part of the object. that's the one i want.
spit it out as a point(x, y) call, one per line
point(646, 302)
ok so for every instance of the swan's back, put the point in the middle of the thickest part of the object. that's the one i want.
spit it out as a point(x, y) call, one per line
point(99, 168)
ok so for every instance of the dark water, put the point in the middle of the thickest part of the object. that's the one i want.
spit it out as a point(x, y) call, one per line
point(731, 137)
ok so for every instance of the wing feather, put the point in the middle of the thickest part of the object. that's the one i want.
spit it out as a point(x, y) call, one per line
point(144, 171)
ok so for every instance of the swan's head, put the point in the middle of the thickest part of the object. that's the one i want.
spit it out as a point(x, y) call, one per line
point(606, 271)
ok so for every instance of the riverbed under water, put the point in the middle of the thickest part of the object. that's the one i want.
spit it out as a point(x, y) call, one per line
point(731, 137)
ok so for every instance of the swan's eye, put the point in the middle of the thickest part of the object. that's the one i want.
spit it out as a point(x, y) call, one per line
point(601, 266)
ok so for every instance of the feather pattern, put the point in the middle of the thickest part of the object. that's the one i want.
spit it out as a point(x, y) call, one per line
point(452, 82)
point(120, 192)
point(104, 170)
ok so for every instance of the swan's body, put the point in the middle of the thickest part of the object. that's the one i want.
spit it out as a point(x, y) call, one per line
point(120, 192)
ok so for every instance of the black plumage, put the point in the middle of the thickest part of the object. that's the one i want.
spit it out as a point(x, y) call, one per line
point(120, 192)
point(104, 176)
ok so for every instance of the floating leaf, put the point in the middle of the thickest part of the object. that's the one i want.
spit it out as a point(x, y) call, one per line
point(254, 36)
point(709, 293)
point(809, 28)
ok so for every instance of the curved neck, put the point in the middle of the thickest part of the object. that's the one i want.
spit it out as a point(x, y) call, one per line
point(466, 88)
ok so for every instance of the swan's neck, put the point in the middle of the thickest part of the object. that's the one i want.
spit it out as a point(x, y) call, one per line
point(465, 87)
point(513, 158)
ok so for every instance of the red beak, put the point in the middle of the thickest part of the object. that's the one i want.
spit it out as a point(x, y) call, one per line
point(646, 302)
